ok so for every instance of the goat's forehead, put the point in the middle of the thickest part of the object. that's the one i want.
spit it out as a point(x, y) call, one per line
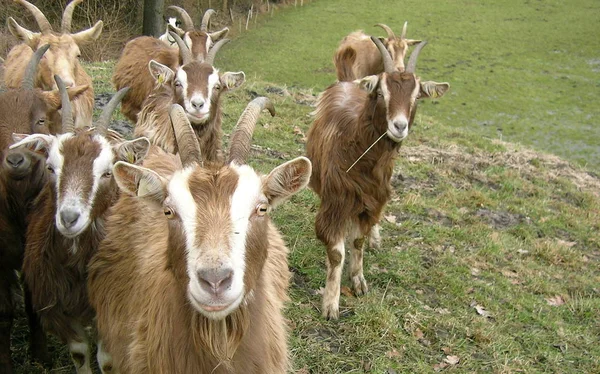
point(59, 42)
point(198, 73)
point(399, 83)
point(82, 146)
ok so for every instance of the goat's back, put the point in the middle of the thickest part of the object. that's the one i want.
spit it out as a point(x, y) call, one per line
point(356, 57)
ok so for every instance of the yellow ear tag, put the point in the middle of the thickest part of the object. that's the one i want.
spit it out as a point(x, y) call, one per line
point(161, 79)
point(130, 157)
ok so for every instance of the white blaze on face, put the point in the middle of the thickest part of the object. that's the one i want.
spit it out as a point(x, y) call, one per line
point(397, 122)
point(197, 97)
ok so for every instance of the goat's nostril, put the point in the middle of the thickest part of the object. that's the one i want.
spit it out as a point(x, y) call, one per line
point(215, 281)
point(15, 159)
point(69, 217)
point(400, 126)
point(198, 104)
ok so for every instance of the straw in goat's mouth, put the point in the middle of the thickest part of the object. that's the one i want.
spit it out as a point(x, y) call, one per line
point(365, 152)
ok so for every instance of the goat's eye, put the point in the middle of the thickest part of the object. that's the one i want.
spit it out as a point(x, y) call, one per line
point(262, 209)
point(169, 213)
point(217, 87)
point(107, 174)
point(41, 122)
point(177, 84)
point(379, 94)
point(50, 169)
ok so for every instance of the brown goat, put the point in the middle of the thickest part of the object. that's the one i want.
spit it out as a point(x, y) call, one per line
point(357, 56)
point(193, 275)
point(376, 111)
point(22, 176)
point(62, 59)
point(131, 69)
point(197, 87)
point(68, 225)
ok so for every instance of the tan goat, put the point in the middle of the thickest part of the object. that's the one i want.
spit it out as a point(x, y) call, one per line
point(192, 276)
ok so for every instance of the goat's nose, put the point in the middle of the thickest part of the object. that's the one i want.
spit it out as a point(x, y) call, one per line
point(197, 103)
point(69, 82)
point(215, 281)
point(15, 159)
point(68, 217)
point(400, 126)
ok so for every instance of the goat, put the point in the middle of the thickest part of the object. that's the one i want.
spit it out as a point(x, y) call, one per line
point(192, 275)
point(22, 176)
point(130, 70)
point(197, 87)
point(69, 224)
point(349, 118)
point(172, 24)
point(357, 57)
point(62, 59)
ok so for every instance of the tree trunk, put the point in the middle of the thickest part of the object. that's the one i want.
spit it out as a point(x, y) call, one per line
point(153, 17)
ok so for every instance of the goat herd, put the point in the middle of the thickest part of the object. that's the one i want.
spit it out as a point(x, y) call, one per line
point(163, 244)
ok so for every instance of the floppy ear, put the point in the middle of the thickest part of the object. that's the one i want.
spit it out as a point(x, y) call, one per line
point(28, 37)
point(432, 90)
point(132, 151)
point(231, 81)
point(412, 41)
point(89, 35)
point(52, 98)
point(368, 83)
point(139, 181)
point(218, 35)
point(37, 143)
point(160, 72)
point(286, 180)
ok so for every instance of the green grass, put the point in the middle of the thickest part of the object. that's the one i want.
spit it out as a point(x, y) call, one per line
point(473, 220)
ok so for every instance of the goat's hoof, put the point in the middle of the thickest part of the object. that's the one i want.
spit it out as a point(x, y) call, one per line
point(375, 243)
point(331, 312)
point(359, 285)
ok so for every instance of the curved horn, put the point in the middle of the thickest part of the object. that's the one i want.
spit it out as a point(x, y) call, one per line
point(390, 33)
point(185, 137)
point(68, 124)
point(31, 70)
point(210, 58)
point(184, 51)
point(40, 18)
point(412, 62)
point(388, 64)
point(403, 35)
point(104, 120)
point(241, 137)
point(68, 16)
point(188, 24)
point(206, 19)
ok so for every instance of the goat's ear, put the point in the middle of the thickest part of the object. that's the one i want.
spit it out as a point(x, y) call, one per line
point(231, 81)
point(412, 41)
point(37, 143)
point(287, 179)
point(432, 90)
point(132, 151)
point(218, 35)
point(89, 35)
point(161, 73)
point(28, 37)
point(139, 181)
point(368, 83)
point(52, 98)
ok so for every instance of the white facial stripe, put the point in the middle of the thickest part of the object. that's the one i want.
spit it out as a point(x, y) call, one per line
point(384, 90)
point(185, 206)
point(55, 158)
point(102, 164)
point(213, 79)
point(181, 76)
point(209, 43)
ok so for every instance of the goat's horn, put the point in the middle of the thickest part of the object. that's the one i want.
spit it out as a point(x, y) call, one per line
point(210, 58)
point(67, 115)
point(388, 64)
point(104, 120)
point(184, 51)
point(185, 137)
point(68, 16)
point(188, 24)
point(31, 70)
point(390, 33)
point(206, 19)
point(40, 18)
point(403, 35)
point(412, 62)
point(241, 136)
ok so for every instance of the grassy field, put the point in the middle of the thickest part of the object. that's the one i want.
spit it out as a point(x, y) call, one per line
point(491, 251)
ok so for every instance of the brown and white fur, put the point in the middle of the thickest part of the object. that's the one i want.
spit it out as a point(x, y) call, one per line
point(61, 59)
point(350, 117)
point(357, 57)
point(68, 225)
point(192, 276)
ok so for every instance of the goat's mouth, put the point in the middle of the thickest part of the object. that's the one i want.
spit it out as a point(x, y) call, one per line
point(397, 136)
point(201, 118)
point(214, 309)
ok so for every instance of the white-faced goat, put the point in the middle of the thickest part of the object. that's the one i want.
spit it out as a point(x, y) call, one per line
point(357, 57)
point(69, 224)
point(62, 59)
point(376, 111)
point(131, 69)
point(22, 176)
point(192, 276)
point(173, 24)
point(197, 87)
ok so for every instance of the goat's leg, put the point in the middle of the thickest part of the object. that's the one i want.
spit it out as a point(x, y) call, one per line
point(335, 265)
point(357, 245)
point(79, 348)
point(38, 345)
point(375, 238)
point(104, 360)
point(6, 321)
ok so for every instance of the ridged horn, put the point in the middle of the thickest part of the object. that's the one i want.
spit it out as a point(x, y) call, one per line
point(188, 24)
point(206, 19)
point(411, 67)
point(184, 51)
point(241, 137)
point(388, 64)
point(67, 17)
point(185, 137)
point(40, 18)
point(31, 70)
point(104, 120)
point(403, 35)
point(68, 125)
point(210, 58)
point(390, 33)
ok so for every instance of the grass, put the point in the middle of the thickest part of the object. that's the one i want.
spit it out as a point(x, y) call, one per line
point(490, 249)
